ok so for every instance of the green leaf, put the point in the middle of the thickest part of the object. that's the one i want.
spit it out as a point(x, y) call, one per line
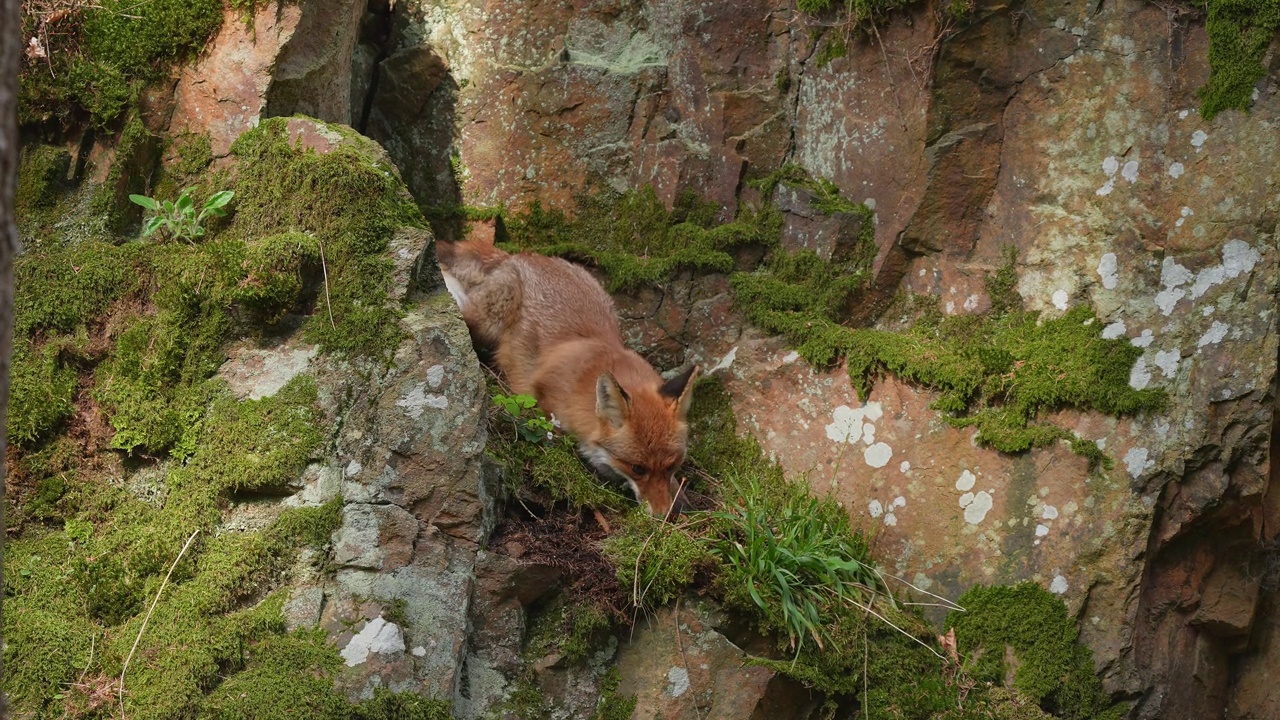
point(219, 199)
point(151, 226)
point(145, 202)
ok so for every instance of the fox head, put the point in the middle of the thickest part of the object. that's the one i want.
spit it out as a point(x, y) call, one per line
point(643, 437)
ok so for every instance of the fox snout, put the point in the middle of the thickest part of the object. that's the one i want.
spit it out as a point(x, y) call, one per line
point(662, 497)
point(642, 437)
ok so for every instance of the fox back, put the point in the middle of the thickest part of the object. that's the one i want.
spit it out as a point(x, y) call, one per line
point(554, 333)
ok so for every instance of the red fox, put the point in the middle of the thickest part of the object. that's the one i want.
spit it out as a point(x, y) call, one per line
point(555, 335)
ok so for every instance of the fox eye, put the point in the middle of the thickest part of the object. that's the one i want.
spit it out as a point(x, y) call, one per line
point(639, 470)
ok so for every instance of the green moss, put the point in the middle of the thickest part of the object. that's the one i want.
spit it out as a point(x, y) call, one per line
point(137, 152)
point(274, 274)
point(54, 603)
point(656, 559)
point(636, 241)
point(1240, 31)
point(42, 390)
point(62, 291)
point(833, 48)
point(240, 445)
point(826, 196)
point(570, 628)
point(153, 384)
point(349, 205)
point(291, 676)
point(42, 178)
point(613, 706)
point(195, 153)
point(999, 372)
point(1051, 667)
point(117, 46)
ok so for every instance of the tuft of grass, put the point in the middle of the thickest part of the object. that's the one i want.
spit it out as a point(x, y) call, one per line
point(793, 557)
point(655, 560)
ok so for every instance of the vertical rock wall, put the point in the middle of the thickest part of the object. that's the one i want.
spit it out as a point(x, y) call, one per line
point(1064, 129)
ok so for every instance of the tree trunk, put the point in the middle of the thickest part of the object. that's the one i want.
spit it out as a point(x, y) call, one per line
point(10, 57)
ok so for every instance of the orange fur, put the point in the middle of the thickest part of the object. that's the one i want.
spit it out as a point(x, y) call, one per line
point(555, 335)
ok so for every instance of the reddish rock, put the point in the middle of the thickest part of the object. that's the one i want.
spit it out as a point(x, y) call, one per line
point(295, 57)
point(678, 666)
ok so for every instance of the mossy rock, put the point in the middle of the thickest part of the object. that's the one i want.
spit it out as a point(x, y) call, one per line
point(133, 331)
point(116, 47)
point(1030, 624)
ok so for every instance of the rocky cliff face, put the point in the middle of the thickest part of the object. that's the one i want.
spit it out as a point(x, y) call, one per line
point(1067, 131)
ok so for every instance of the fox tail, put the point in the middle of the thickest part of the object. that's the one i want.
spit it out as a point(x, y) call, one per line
point(466, 264)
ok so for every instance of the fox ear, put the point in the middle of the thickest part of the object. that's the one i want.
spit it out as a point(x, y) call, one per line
point(679, 389)
point(613, 405)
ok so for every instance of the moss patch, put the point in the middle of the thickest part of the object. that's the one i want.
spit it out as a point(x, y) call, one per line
point(636, 241)
point(656, 560)
point(349, 205)
point(101, 56)
point(1052, 668)
point(291, 676)
point(612, 705)
point(835, 47)
point(1240, 31)
point(999, 372)
point(43, 388)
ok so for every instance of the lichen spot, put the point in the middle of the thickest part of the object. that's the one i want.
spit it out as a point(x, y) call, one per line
point(1058, 586)
point(1107, 270)
point(1197, 139)
point(377, 636)
point(1167, 361)
point(435, 375)
point(1130, 171)
point(1140, 375)
point(875, 509)
point(1214, 334)
point(965, 482)
point(878, 455)
point(1114, 330)
point(977, 507)
point(726, 362)
point(418, 400)
point(1136, 461)
point(1176, 170)
point(1060, 299)
point(848, 424)
point(677, 681)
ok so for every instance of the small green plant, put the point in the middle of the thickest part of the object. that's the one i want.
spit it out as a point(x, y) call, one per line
point(794, 556)
point(179, 218)
point(529, 421)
